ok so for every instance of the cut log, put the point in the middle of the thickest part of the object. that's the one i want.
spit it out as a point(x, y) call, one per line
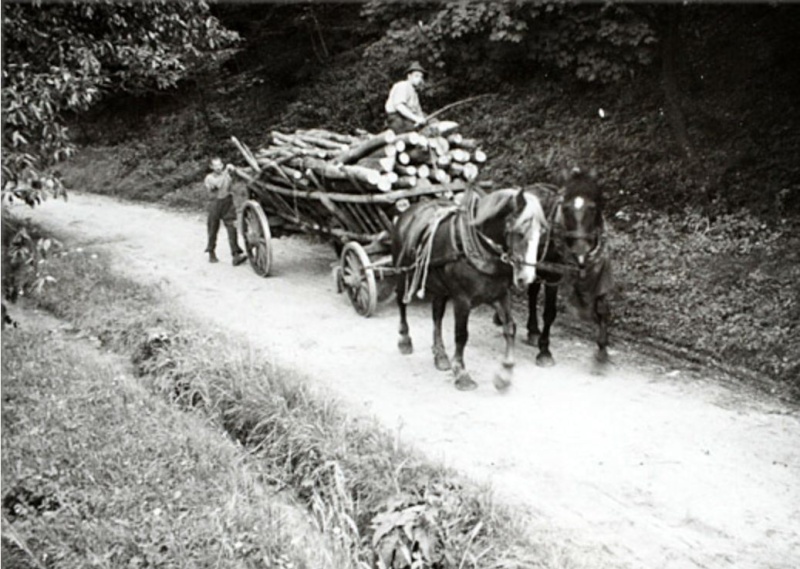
point(361, 149)
point(384, 183)
point(289, 140)
point(460, 155)
point(248, 156)
point(403, 158)
point(470, 171)
point(412, 137)
point(419, 155)
point(455, 139)
point(444, 160)
point(468, 143)
point(405, 182)
point(455, 168)
point(423, 171)
point(479, 156)
point(345, 139)
point(441, 176)
point(292, 172)
point(439, 145)
point(366, 175)
point(322, 143)
point(405, 170)
point(441, 128)
point(388, 164)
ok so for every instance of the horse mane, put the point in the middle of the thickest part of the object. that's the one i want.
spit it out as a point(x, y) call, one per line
point(492, 204)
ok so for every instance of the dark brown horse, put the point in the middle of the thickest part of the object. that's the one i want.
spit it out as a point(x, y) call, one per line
point(470, 254)
point(572, 256)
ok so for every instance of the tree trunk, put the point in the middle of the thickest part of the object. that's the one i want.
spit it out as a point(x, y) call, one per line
point(201, 91)
point(669, 81)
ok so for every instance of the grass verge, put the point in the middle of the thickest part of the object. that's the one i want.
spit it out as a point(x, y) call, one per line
point(99, 472)
point(378, 503)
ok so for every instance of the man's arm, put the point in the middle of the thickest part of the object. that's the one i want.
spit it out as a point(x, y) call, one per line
point(403, 109)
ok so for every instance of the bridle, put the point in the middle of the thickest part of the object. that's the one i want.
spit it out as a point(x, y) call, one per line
point(506, 256)
point(597, 235)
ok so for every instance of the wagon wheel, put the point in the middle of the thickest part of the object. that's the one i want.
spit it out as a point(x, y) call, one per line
point(257, 237)
point(358, 279)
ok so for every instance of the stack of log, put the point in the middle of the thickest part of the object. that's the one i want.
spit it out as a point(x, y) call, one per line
point(319, 159)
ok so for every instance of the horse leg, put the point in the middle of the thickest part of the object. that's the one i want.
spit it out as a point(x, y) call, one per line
point(440, 358)
point(461, 309)
point(405, 345)
point(533, 321)
point(545, 358)
point(602, 313)
point(502, 379)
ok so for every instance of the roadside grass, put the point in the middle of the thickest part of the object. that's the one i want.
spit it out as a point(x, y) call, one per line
point(378, 502)
point(99, 472)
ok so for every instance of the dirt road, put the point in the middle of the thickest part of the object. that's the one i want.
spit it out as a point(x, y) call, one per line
point(650, 467)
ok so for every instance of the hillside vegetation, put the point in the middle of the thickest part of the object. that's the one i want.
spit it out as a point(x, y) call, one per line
point(695, 147)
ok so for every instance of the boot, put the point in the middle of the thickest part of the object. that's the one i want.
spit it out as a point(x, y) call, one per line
point(212, 257)
point(239, 258)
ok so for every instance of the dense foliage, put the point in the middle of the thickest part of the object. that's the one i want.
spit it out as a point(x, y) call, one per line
point(596, 43)
point(62, 58)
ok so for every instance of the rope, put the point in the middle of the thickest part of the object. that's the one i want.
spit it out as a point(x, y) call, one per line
point(422, 263)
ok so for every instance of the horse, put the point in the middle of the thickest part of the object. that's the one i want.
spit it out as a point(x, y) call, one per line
point(573, 256)
point(471, 254)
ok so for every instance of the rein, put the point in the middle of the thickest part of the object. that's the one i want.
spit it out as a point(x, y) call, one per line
point(564, 268)
point(481, 251)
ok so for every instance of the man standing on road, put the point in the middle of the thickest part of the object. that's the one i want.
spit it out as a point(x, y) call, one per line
point(403, 110)
point(221, 209)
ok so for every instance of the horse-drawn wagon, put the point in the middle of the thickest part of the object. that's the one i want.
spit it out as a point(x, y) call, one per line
point(348, 190)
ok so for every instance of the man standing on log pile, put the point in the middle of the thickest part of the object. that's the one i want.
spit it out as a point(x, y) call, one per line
point(402, 107)
point(221, 209)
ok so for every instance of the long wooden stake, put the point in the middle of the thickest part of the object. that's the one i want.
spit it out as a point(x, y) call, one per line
point(458, 103)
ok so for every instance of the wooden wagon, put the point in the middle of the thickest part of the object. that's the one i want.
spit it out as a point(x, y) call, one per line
point(348, 190)
point(358, 225)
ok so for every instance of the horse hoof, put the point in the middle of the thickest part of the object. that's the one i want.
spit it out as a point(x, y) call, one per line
point(465, 383)
point(442, 362)
point(502, 380)
point(601, 357)
point(406, 347)
point(545, 360)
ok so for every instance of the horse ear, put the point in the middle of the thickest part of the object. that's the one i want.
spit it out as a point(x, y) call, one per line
point(520, 201)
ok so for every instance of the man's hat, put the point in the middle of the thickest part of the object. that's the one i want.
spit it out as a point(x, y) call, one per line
point(415, 66)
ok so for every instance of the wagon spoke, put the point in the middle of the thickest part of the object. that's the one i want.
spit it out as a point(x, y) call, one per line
point(257, 237)
point(358, 278)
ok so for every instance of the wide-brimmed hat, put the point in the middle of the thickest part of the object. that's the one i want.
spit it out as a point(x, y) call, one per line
point(415, 66)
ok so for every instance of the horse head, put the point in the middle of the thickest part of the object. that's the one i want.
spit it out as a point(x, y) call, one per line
point(581, 215)
point(511, 221)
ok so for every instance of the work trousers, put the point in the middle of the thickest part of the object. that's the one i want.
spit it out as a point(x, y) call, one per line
point(399, 124)
point(222, 210)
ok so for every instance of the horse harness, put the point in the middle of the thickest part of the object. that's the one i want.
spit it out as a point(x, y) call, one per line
point(489, 257)
point(594, 256)
point(481, 252)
